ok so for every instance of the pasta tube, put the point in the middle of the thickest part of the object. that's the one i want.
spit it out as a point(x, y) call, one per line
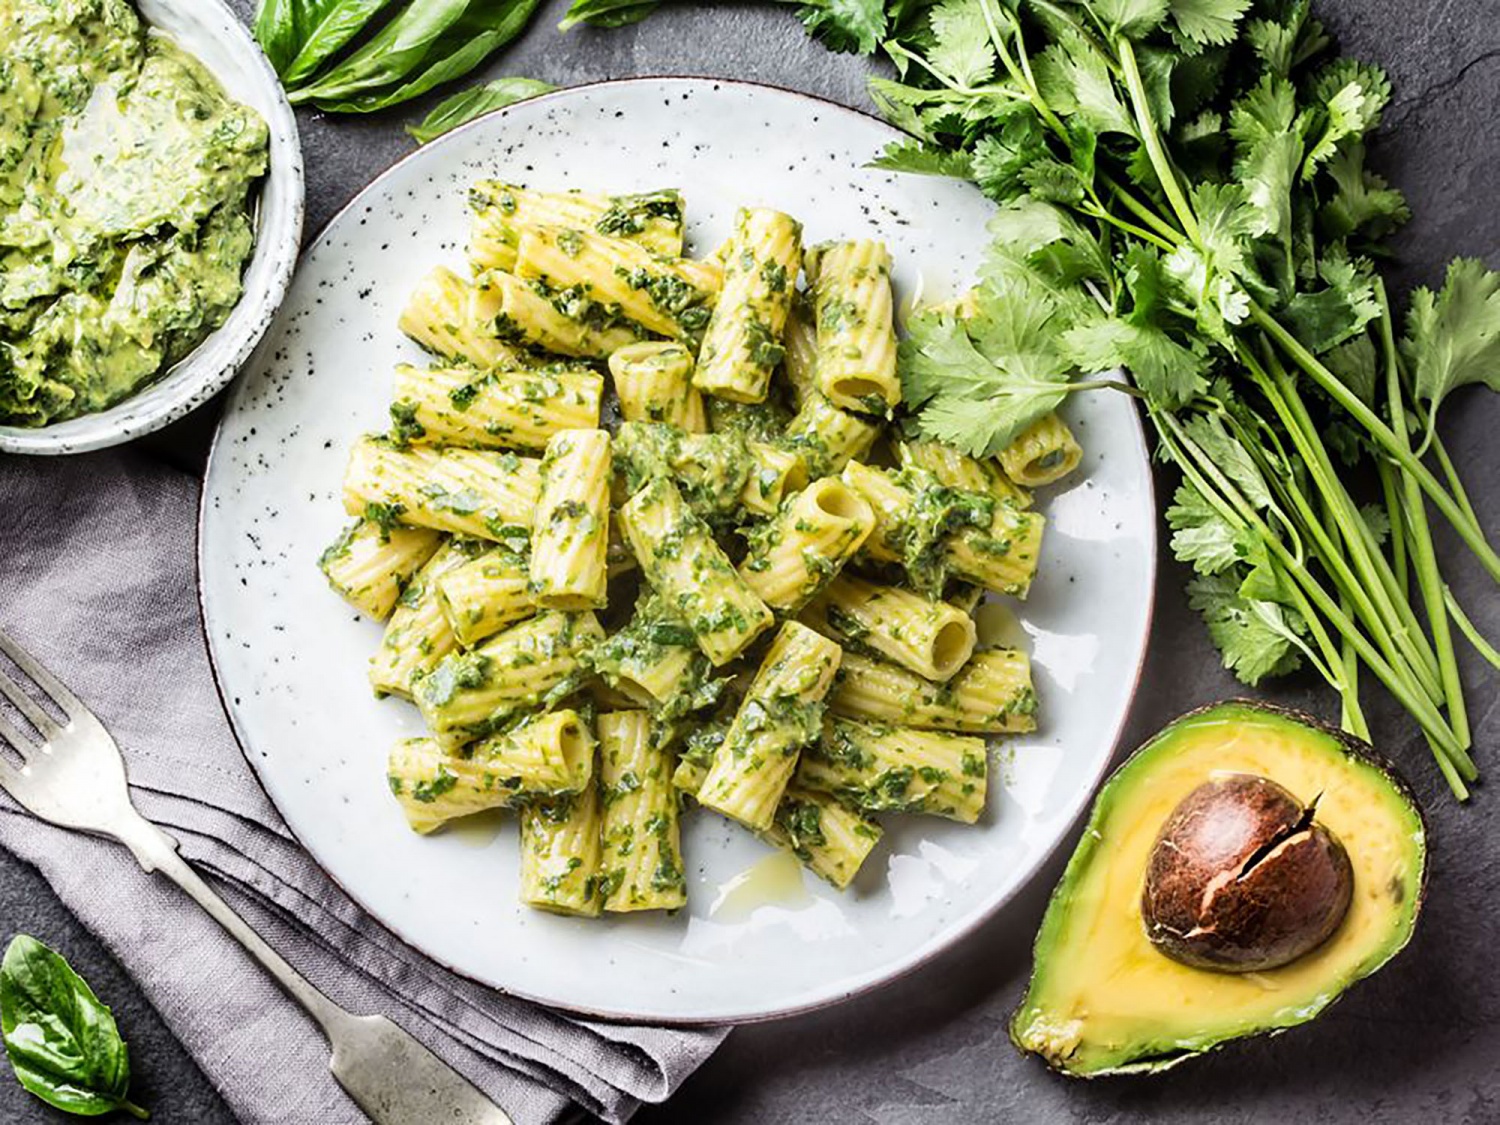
point(473, 694)
point(570, 540)
point(991, 695)
point(560, 853)
point(712, 471)
point(669, 296)
point(881, 768)
point(808, 542)
point(829, 438)
point(548, 754)
point(936, 532)
point(652, 219)
point(742, 343)
point(931, 638)
point(856, 330)
point(482, 597)
point(370, 564)
point(800, 364)
point(654, 382)
point(434, 787)
point(959, 470)
point(1043, 453)
point(417, 635)
point(780, 714)
point(775, 473)
point(696, 581)
point(641, 864)
point(529, 315)
point(463, 491)
point(831, 839)
point(510, 409)
point(438, 316)
point(655, 663)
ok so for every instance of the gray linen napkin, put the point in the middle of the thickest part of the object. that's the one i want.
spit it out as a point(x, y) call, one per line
point(97, 580)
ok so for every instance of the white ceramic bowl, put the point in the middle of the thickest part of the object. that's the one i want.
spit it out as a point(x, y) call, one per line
point(209, 30)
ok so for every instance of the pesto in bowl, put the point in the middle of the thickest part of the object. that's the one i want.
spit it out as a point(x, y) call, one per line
point(126, 179)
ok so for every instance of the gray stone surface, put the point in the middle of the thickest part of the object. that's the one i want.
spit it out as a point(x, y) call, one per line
point(1416, 1044)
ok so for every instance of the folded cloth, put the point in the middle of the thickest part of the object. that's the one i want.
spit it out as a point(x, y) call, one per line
point(97, 581)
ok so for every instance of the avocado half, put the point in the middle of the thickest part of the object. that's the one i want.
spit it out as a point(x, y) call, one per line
point(1103, 1000)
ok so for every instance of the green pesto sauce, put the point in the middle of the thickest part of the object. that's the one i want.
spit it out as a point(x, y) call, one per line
point(125, 173)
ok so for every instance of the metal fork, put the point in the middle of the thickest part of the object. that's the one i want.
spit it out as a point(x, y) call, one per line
point(74, 776)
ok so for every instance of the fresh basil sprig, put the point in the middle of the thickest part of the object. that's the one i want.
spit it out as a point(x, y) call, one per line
point(62, 1042)
point(357, 56)
point(474, 102)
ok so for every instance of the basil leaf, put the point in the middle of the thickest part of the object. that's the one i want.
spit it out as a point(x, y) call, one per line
point(275, 29)
point(606, 13)
point(62, 1042)
point(392, 53)
point(330, 29)
point(476, 101)
point(484, 29)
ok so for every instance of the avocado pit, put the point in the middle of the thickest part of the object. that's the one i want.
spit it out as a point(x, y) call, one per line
point(1242, 878)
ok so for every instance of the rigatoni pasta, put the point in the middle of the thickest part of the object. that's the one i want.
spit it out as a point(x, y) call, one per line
point(641, 853)
point(482, 597)
point(438, 316)
point(781, 713)
point(991, 695)
point(856, 365)
point(742, 343)
point(370, 563)
point(808, 542)
point(570, 538)
point(931, 638)
point(877, 767)
point(788, 580)
point(669, 296)
point(691, 573)
point(501, 211)
point(460, 491)
point(472, 694)
point(1042, 453)
point(654, 383)
point(456, 406)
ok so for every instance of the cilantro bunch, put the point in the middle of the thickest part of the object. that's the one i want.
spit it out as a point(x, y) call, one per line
point(1183, 193)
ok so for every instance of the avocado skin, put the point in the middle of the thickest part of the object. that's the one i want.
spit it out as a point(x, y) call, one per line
point(1147, 1063)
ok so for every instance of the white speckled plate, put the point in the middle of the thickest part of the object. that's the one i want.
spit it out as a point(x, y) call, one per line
point(209, 30)
point(291, 656)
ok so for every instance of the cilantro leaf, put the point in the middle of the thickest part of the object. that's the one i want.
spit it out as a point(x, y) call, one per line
point(1362, 203)
point(1208, 22)
point(1200, 536)
point(961, 43)
point(1453, 337)
point(1074, 79)
point(1255, 638)
point(923, 160)
point(848, 26)
point(1132, 18)
point(1000, 160)
point(1327, 317)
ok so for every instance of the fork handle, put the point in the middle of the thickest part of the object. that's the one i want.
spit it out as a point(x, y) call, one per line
point(390, 1074)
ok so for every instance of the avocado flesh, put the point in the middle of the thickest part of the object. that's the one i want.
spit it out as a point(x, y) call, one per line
point(1104, 1000)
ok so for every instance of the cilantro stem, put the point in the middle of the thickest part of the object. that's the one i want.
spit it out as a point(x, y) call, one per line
point(1141, 211)
point(1370, 589)
point(1455, 482)
point(1395, 517)
point(1097, 210)
point(1468, 629)
point(1152, 140)
point(1199, 468)
point(1466, 527)
point(1424, 557)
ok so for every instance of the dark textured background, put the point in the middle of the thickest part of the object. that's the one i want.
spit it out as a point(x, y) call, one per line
point(1419, 1043)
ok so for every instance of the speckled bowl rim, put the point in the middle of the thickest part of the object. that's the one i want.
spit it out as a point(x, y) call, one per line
point(213, 364)
point(933, 949)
